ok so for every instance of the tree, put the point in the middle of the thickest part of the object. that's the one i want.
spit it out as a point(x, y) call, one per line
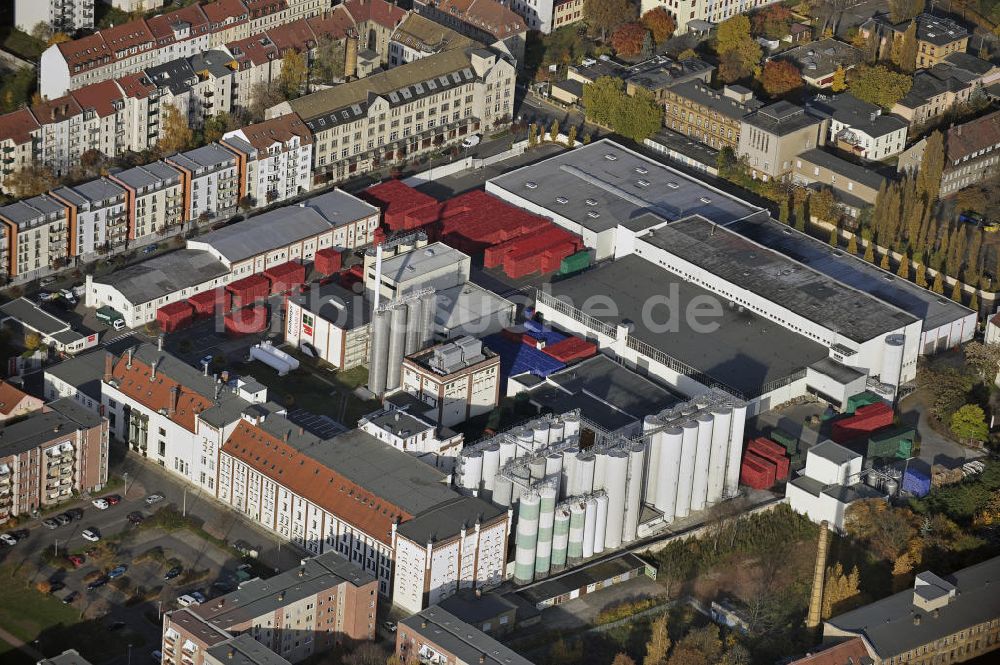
point(30, 181)
point(699, 646)
point(879, 85)
point(554, 131)
point(839, 589)
point(956, 292)
point(532, 135)
point(606, 15)
point(931, 167)
point(884, 530)
point(32, 341)
point(660, 23)
point(870, 252)
point(658, 645)
point(884, 265)
point(904, 10)
point(262, 97)
point(823, 205)
point(834, 237)
point(904, 54)
point(637, 117)
point(294, 74)
point(571, 137)
point(984, 359)
point(921, 277)
point(177, 133)
point(627, 39)
point(58, 38)
point(737, 50)
point(733, 68)
point(773, 21)
point(852, 244)
point(367, 653)
point(938, 286)
point(783, 210)
point(969, 423)
point(687, 54)
point(328, 65)
point(562, 653)
point(839, 83)
point(623, 659)
point(216, 126)
point(780, 77)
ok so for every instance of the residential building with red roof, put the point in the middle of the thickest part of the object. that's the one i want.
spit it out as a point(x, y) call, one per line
point(848, 652)
point(275, 157)
point(374, 21)
point(486, 21)
point(15, 403)
point(972, 153)
point(19, 135)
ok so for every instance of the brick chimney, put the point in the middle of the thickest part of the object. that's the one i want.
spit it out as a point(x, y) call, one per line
point(109, 365)
point(175, 393)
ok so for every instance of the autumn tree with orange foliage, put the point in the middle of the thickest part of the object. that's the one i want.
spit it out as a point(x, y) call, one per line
point(661, 23)
point(627, 39)
point(780, 77)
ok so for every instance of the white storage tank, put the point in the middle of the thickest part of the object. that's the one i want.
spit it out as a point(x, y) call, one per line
point(601, 523)
point(553, 465)
point(600, 469)
point(472, 471)
point(689, 451)
point(652, 465)
point(615, 486)
point(536, 466)
point(567, 486)
point(502, 486)
point(491, 465)
point(546, 518)
point(507, 450)
point(584, 464)
point(572, 424)
point(699, 487)
point(633, 499)
point(589, 527)
point(397, 347)
point(577, 523)
point(739, 422)
point(527, 537)
point(892, 359)
point(540, 433)
point(669, 471)
point(560, 538)
point(723, 417)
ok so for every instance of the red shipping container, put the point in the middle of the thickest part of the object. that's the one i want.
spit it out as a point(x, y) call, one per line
point(403, 207)
point(760, 448)
point(247, 291)
point(286, 276)
point(174, 316)
point(515, 335)
point(571, 348)
point(328, 261)
point(865, 420)
point(204, 303)
point(757, 472)
point(246, 321)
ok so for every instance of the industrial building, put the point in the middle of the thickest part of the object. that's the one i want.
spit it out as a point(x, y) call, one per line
point(573, 501)
point(595, 188)
point(415, 434)
point(830, 483)
point(437, 636)
point(458, 379)
point(52, 331)
point(332, 323)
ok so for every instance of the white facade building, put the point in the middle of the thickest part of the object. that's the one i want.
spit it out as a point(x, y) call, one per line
point(859, 127)
point(411, 433)
point(277, 157)
point(98, 219)
point(58, 15)
point(830, 483)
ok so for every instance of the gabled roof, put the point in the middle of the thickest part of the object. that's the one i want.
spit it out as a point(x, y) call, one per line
point(17, 126)
point(138, 384)
point(973, 136)
point(134, 34)
point(334, 23)
point(490, 16)
point(10, 397)
point(386, 14)
point(257, 50)
point(162, 26)
point(55, 110)
point(282, 129)
point(86, 52)
point(225, 13)
point(296, 35)
point(100, 97)
point(851, 652)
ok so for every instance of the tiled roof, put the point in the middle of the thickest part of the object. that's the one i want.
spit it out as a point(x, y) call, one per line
point(86, 52)
point(313, 481)
point(264, 7)
point(162, 26)
point(17, 126)
point(972, 136)
point(55, 110)
point(335, 23)
point(137, 86)
point(136, 383)
point(384, 13)
point(851, 652)
point(227, 12)
point(296, 35)
point(258, 50)
point(488, 15)
point(100, 97)
point(10, 397)
point(134, 34)
point(263, 135)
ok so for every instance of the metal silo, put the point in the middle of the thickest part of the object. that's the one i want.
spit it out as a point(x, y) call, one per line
point(571, 421)
point(585, 472)
point(577, 522)
point(414, 336)
point(540, 432)
point(536, 466)
point(723, 417)
point(633, 499)
point(472, 470)
point(502, 486)
point(892, 359)
point(615, 486)
point(600, 469)
point(546, 517)
point(379, 357)
point(491, 465)
point(508, 449)
point(699, 487)
point(560, 538)
point(589, 527)
point(527, 537)
point(652, 465)
point(525, 437)
point(553, 465)
point(668, 471)
point(689, 450)
point(397, 345)
point(428, 309)
point(739, 421)
point(567, 485)
point(557, 431)
point(601, 523)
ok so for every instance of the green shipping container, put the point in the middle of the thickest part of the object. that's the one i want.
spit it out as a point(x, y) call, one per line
point(893, 442)
point(783, 438)
point(861, 399)
point(574, 263)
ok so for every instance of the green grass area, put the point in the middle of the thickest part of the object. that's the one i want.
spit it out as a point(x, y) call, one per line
point(20, 43)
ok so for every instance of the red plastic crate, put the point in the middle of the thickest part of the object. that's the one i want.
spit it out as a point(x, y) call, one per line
point(328, 261)
point(570, 349)
point(403, 207)
point(757, 472)
point(866, 419)
point(246, 321)
point(204, 303)
point(247, 291)
point(286, 276)
point(174, 316)
point(760, 448)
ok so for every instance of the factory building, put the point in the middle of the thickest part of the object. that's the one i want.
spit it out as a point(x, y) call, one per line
point(416, 434)
point(573, 501)
point(830, 483)
point(332, 323)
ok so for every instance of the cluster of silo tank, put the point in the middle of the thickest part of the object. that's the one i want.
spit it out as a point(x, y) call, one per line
point(398, 328)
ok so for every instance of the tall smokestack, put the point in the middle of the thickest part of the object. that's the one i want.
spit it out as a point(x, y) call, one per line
point(819, 574)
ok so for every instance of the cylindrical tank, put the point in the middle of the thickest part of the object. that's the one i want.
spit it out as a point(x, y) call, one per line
point(892, 359)
point(633, 500)
point(577, 522)
point(615, 486)
point(668, 471)
point(501, 490)
point(652, 465)
point(649, 423)
point(600, 469)
point(379, 356)
point(527, 537)
point(553, 465)
point(557, 431)
point(723, 417)
point(427, 312)
point(525, 437)
point(589, 527)
point(414, 335)
point(560, 539)
point(739, 422)
point(397, 346)
point(601, 524)
point(537, 467)
point(508, 449)
point(891, 487)
point(584, 473)
point(699, 486)
point(540, 432)
point(546, 517)
point(689, 450)
point(567, 486)
point(491, 464)
point(571, 421)
point(472, 471)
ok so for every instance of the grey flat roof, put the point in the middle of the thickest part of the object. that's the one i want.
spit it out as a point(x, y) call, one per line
point(399, 423)
point(617, 396)
point(258, 598)
point(391, 474)
point(32, 316)
point(210, 157)
point(821, 58)
point(40, 427)
point(889, 626)
point(840, 166)
point(717, 100)
point(32, 210)
point(92, 191)
point(933, 309)
point(473, 608)
point(742, 354)
point(404, 267)
point(858, 114)
point(834, 370)
point(244, 650)
point(833, 452)
point(84, 372)
point(165, 274)
point(807, 484)
point(334, 303)
point(148, 175)
point(446, 520)
point(587, 173)
point(772, 275)
point(461, 304)
point(467, 643)
point(68, 657)
point(582, 577)
point(572, 86)
point(339, 208)
point(781, 118)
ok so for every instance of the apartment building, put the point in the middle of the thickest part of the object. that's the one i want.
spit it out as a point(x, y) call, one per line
point(939, 89)
point(860, 128)
point(458, 379)
point(19, 142)
point(408, 110)
point(211, 181)
point(460, 544)
point(154, 199)
point(695, 15)
point(35, 236)
point(709, 116)
point(275, 156)
point(59, 15)
point(485, 21)
point(418, 37)
point(50, 454)
point(412, 432)
point(949, 619)
point(855, 186)
point(771, 138)
point(325, 603)
point(97, 217)
point(434, 635)
point(937, 37)
point(972, 153)
point(130, 6)
point(15, 403)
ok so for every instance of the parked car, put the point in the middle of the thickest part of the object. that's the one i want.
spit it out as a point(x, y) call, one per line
point(149, 249)
point(135, 517)
point(63, 519)
point(173, 572)
point(199, 596)
point(153, 498)
point(101, 504)
point(76, 560)
point(50, 523)
point(91, 534)
point(98, 583)
point(70, 597)
point(75, 513)
point(390, 626)
point(187, 601)
point(471, 141)
point(117, 571)
point(246, 549)
point(46, 296)
point(157, 656)
point(113, 499)
point(8, 539)
point(116, 625)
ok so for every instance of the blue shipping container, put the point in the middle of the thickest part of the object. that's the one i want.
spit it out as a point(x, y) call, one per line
point(916, 483)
